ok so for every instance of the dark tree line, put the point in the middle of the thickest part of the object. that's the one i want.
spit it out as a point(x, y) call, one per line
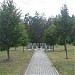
point(36, 26)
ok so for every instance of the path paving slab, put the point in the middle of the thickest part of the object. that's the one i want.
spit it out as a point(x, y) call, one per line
point(40, 64)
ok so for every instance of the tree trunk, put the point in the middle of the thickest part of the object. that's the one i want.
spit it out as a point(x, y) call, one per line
point(53, 47)
point(65, 46)
point(39, 45)
point(23, 48)
point(45, 47)
point(8, 54)
point(32, 47)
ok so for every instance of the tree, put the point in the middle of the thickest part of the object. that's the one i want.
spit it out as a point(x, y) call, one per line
point(48, 22)
point(51, 36)
point(64, 26)
point(72, 36)
point(17, 34)
point(35, 27)
point(9, 20)
point(24, 38)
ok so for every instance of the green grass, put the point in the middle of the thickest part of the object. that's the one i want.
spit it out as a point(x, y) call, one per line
point(17, 64)
point(64, 66)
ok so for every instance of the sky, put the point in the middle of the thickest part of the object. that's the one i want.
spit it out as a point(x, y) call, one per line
point(49, 7)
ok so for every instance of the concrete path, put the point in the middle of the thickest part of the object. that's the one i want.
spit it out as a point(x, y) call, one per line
point(40, 65)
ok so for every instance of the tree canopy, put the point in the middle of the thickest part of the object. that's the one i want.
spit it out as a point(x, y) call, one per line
point(51, 36)
point(9, 21)
point(35, 26)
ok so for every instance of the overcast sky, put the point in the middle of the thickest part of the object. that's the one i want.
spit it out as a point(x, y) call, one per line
point(49, 7)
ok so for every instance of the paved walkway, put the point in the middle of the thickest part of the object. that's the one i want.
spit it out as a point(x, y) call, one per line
point(40, 65)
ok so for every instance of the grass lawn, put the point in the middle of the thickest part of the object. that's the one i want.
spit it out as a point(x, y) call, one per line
point(64, 66)
point(17, 64)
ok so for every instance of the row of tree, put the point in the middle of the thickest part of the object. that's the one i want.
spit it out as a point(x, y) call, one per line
point(36, 25)
point(59, 29)
point(12, 28)
point(13, 31)
point(62, 30)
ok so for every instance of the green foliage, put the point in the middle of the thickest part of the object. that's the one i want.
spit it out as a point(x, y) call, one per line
point(9, 21)
point(64, 25)
point(25, 37)
point(35, 27)
point(17, 36)
point(72, 36)
point(51, 35)
point(73, 43)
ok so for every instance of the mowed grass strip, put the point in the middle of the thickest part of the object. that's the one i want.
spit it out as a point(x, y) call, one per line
point(18, 62)
point(64, 66)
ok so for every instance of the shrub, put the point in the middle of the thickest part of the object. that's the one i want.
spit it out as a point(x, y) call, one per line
point(73, 43)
